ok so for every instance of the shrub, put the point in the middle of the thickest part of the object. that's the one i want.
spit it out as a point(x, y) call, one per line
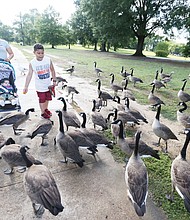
point(162, 53)
point(162, 49)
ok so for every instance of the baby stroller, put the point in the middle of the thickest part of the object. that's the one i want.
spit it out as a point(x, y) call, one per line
point(8, 92)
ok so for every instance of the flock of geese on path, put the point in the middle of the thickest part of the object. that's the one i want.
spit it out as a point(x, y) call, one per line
point(70, 140)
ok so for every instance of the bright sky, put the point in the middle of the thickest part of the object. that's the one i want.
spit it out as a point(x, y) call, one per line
point(12, 8)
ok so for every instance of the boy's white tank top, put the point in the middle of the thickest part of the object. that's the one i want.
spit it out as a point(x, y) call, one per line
point(42, 73)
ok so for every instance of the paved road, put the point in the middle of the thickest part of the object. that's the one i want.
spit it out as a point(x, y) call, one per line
point(95, 192)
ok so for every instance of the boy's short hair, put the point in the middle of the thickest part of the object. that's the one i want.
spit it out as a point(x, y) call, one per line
point(38, 46)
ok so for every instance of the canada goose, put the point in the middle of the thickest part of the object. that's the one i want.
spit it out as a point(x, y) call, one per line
point(96, 137)
point(15, 119)
point(164, 75)
point(136, 178)
point(113, 86)
point(126, 92)
point(127, 147)
point(161, 130)
point(70, 90)
point(41, 187)
point(10, 152)
point(125, 74)
point(180, 174)
point(69, 117)
point(67, 145)
point(71, 70)
point(154, 100)
point(183, 118)
point(42, 128)
point(83, 141)
point(97, 70)
point(60, 79)
point(103, 94)
point(97, 117)
point(134, 79)
point(183, 96)
point(158, 84)
point(135, 113)
point(52, 90)
point(125, 117)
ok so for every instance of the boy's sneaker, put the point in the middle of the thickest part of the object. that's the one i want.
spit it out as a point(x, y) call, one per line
point(45, 115)
point(48, 112)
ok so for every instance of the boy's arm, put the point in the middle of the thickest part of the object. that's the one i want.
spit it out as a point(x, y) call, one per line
point(53, 74)
point(28, 79)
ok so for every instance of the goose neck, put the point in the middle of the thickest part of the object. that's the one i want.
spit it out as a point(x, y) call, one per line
point(83, 125)
point(94, 106)
point(121, 136)
point(136, 150)
point(158, 113)
point(184, 108)
point(23, 153)
point(61, 127)
point(184, 149)
point(64, 105)
point(183, 87)
point(126, 83)
point(112, 79)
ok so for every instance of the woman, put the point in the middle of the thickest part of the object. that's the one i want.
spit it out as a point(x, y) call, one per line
point(6, 52)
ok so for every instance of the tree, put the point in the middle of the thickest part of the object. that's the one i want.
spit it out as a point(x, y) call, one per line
point(26, 27)
point(119, 19)
point(6, 32)
point(50, 27)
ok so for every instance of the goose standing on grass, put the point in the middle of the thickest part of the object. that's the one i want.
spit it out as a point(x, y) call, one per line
point(126, 92)
point(103, 94)
point(67, 145)
point(164, 75)
point(128, 147)
point(10, 153)
point(153, 99)
point(42, 128)
point(41, 187)
point(97, 70)
point(69, 117)
point(161, 130)
point(158, 84)
point(96, 137)
point(180, 174)
point(135, 113)
point(16, 119)
point(136, 178)
point(113, 86)
point(97, 117)
point(134, 79)
point(183, 118)
point(126, 117)
point(70, 70)
point(183, 96)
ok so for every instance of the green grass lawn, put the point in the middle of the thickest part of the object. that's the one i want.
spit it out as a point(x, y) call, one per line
point(145, 68)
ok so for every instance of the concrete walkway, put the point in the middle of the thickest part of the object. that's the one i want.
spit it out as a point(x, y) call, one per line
point(95, 192)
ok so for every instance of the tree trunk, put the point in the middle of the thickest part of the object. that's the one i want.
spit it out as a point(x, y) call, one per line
point(69, 46)
point(52, 46)
point(108, 47)
point(103, 47)
point(95, 45)
point(140, 45)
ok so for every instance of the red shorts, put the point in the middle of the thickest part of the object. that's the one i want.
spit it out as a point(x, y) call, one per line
point(44, 96)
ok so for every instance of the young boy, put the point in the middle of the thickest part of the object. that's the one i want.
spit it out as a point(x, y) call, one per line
point(43, 69)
